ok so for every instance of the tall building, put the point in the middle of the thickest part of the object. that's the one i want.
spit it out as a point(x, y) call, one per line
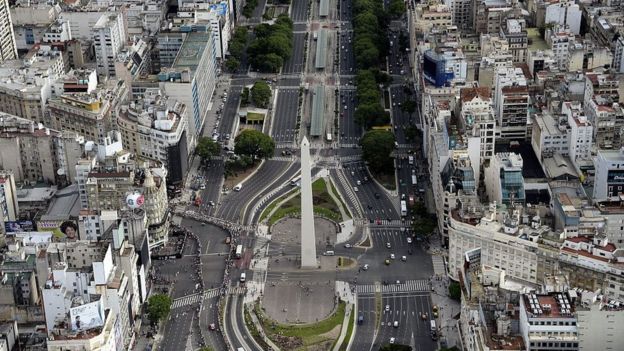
point(9, 208)
point(505, 183)
point(8, 49)
point(609, 179)
point(511, 103)
point(109, 36)
point(156, 127)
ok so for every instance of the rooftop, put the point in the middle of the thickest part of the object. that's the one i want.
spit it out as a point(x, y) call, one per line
point(192, 50)
point(553, 305)
point(318, 111)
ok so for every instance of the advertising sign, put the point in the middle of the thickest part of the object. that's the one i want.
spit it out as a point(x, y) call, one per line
point(19, 226)
point(87, 316)
point(63, 230)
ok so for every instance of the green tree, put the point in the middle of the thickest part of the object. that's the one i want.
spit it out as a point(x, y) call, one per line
point(377, 145)
point(396, 9)
point(245, 97)
point(232, 64)
point(454, 291)
point(207, 148)
point(371, 115)
point(158, 307)
point(255, 144)
point(261, 94)
point(423, 226)
point(270, 63)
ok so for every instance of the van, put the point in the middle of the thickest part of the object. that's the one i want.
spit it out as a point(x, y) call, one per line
point(243, 277)
point(434, 330)
point(329, 253)
point(238, 187)
point(360, 319)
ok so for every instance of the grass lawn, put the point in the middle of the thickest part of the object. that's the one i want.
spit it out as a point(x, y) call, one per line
point(253, 116)
point(323, 203)
point(308, 333)
point(344, 206)
point(345, 342)
point(254, 332)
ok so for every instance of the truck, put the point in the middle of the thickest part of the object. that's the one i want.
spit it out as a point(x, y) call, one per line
point(414, 180)
point(239, 251)
point(411, 160)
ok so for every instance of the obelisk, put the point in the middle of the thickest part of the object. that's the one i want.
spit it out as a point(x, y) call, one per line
point(308, 238)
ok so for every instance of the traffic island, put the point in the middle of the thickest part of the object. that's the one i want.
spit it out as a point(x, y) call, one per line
point(319, 336)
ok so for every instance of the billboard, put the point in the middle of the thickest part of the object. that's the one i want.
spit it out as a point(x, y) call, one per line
point(62, 230)
point(220, 8)
point(19, 226)
point(87, 316)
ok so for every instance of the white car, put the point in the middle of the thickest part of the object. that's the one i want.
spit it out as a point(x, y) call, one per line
point(396, 324)
point(409, 240)
point(392, 257)
point(365, 267)
point(387, 308)
point(388, 245)
point(392, 340)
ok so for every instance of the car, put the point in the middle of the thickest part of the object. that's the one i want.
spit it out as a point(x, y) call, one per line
point(358, 182)
point(396, 324)
point(398, 282)
point(387, 262)
point(403, 258)
point(402, 196)
point(435, 308)
point(409, 252)
point(392, 340)
point(409, 240)
point(212, 326)
point(345, 107)
point(211, 203)
point(377, 196)
point(365, 267)
point(348, 246)
point(202, 187)
point(227, 137)
point(385, 282)
point(355, 189)
point(387, 308)
point(388, 245)
point(392, 257)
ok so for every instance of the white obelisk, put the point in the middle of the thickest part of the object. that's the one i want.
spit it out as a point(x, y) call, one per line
point(308, 238)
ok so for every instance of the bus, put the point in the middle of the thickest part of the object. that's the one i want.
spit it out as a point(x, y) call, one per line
point(414, 180)
point(296, 181)
point(403, 208)
point(239, 251)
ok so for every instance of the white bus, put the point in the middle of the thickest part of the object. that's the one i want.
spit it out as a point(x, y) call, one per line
point(239, 251)
point(296, 181)
point(403, 208)
point(414, 180)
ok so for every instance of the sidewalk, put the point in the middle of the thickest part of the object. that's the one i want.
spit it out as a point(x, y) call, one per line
point(345, 325)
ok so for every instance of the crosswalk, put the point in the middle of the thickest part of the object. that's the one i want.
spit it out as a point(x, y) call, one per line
point(393, 223)
point(194, 298)
point(208, 294)
point(407, 286)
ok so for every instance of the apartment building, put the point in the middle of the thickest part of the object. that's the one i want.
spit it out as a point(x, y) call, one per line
point(548, 322)
point(511, 103)
point(109, 36)
point(156, 127)
point(8, 47)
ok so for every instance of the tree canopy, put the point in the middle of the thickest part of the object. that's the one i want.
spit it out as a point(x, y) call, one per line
point(261, 94)
point(396, 9)
point(158, 307)
point(272, 44)
point(377, 145)
point(255, 144)
point(207, 148)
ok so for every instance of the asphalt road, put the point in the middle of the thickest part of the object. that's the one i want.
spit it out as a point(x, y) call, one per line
point(284, 122)
point(235, 325)
point(406, 309)
point(375, 201)
point(234, 204)
point(294, 65)
point(299, 11)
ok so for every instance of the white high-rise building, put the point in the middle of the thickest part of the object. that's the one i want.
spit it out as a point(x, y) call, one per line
point(109, 36)
point(8, 49)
